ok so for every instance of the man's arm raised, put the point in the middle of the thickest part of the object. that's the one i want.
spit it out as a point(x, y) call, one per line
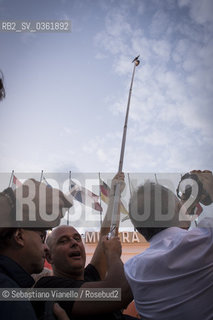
point(206, 178)
point(99, 259)
point(115, 279)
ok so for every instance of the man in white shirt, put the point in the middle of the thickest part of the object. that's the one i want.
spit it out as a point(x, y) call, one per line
point(173, 278)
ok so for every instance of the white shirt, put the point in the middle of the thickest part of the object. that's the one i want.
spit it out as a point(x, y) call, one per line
point(173, 278)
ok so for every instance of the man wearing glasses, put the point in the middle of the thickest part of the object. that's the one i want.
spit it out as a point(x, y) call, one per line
point(22, 245)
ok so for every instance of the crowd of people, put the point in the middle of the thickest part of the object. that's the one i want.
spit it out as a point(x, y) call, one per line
point(171, 280)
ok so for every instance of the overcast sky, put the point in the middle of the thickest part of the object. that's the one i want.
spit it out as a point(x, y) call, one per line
point(67, 92)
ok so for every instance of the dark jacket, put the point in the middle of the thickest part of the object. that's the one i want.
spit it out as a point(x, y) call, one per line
point(14, 276)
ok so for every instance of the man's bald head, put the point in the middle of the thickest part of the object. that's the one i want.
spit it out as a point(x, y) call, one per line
point(66, 252)
point(57, 232)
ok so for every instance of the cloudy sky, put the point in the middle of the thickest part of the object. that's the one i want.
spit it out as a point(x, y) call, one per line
point(67, 92)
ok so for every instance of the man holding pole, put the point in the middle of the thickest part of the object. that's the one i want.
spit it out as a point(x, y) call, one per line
point(107, 254)
point(67, 256)
point(66, 250)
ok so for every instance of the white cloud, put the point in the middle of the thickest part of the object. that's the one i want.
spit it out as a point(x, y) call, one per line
point(171, 107)
point(162, 50)
point(100, 56)
point(160, 24)
point(116, 24)
point(200, 11)
point(68, 132)
point(170, 124)
point(101, 155)
point(122, 65)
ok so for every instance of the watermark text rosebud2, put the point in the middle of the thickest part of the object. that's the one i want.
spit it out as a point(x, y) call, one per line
point(43, 204)
point(30, 208)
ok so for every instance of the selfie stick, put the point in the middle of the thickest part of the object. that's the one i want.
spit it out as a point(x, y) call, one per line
point(116, 203)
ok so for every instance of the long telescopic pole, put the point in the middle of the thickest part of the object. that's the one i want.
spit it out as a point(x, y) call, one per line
point(126, 120)
point(115, 210)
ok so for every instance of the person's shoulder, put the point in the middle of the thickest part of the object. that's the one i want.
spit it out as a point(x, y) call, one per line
point(58, 282)
point(206, 222)
point(6, 281)
point(17, 310)
point(42, 282)
point(136, 260)
point(204, 229)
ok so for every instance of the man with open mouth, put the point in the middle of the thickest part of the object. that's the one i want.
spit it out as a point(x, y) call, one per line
point(67, 257)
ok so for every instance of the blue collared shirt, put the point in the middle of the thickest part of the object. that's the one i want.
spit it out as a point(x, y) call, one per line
point(173, 278)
